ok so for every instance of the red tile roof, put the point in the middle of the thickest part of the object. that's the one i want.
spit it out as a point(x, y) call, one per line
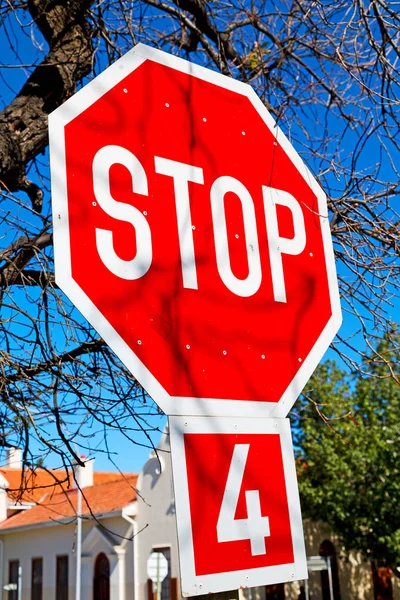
point(36, 483)
point(98, 500)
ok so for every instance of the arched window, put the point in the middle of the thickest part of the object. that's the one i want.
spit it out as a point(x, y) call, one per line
point(101, 581)
point(328, 549)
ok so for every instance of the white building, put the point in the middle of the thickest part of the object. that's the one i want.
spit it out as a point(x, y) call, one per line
point(129, 517)
point(124, 518)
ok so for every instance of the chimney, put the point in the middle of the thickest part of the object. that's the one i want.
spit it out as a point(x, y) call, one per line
point(14, 458)
point(83, 475)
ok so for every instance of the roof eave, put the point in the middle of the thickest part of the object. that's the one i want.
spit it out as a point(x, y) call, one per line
point(66, 521)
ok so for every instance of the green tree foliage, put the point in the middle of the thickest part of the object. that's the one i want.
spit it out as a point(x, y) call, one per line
point(350, 459)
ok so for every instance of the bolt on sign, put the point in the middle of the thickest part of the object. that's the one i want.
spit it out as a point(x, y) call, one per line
point(237, 503)
point(191, 235)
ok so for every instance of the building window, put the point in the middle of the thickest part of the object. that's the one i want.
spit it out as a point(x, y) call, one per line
point(327, 549)
point(101, 582)
point(62, 578)
point(37, 579)
point(13, 569)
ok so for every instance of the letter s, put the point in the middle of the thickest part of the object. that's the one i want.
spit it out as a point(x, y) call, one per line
point(102, 162)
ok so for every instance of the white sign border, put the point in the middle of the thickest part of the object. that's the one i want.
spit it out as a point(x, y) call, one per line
point(174, 405)
point(193, 585)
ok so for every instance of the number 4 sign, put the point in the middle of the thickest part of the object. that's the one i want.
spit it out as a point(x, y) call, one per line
point(237, 503)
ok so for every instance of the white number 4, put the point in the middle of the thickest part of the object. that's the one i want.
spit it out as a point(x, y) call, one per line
point(256, 527)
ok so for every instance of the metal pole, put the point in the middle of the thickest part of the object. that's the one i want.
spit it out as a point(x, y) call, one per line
point(158, 577)
point(19, 582)
point(78, 536)
point(328, 560)
point(306, 589)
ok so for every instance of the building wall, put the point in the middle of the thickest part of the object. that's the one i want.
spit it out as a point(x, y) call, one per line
point(156, 514)
point(49, 542)
point(355, 574)
point(46, 543)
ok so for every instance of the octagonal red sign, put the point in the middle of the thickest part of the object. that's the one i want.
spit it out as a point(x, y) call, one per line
point(190, 234)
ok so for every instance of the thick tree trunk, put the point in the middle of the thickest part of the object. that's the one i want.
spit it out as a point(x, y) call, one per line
point(23, 124)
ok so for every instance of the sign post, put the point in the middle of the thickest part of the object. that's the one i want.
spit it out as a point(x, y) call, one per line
point(190, 234)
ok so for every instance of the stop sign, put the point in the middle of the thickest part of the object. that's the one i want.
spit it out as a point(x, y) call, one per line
point(190, 234)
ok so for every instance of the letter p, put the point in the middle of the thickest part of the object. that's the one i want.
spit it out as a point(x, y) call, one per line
point(279, 245)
